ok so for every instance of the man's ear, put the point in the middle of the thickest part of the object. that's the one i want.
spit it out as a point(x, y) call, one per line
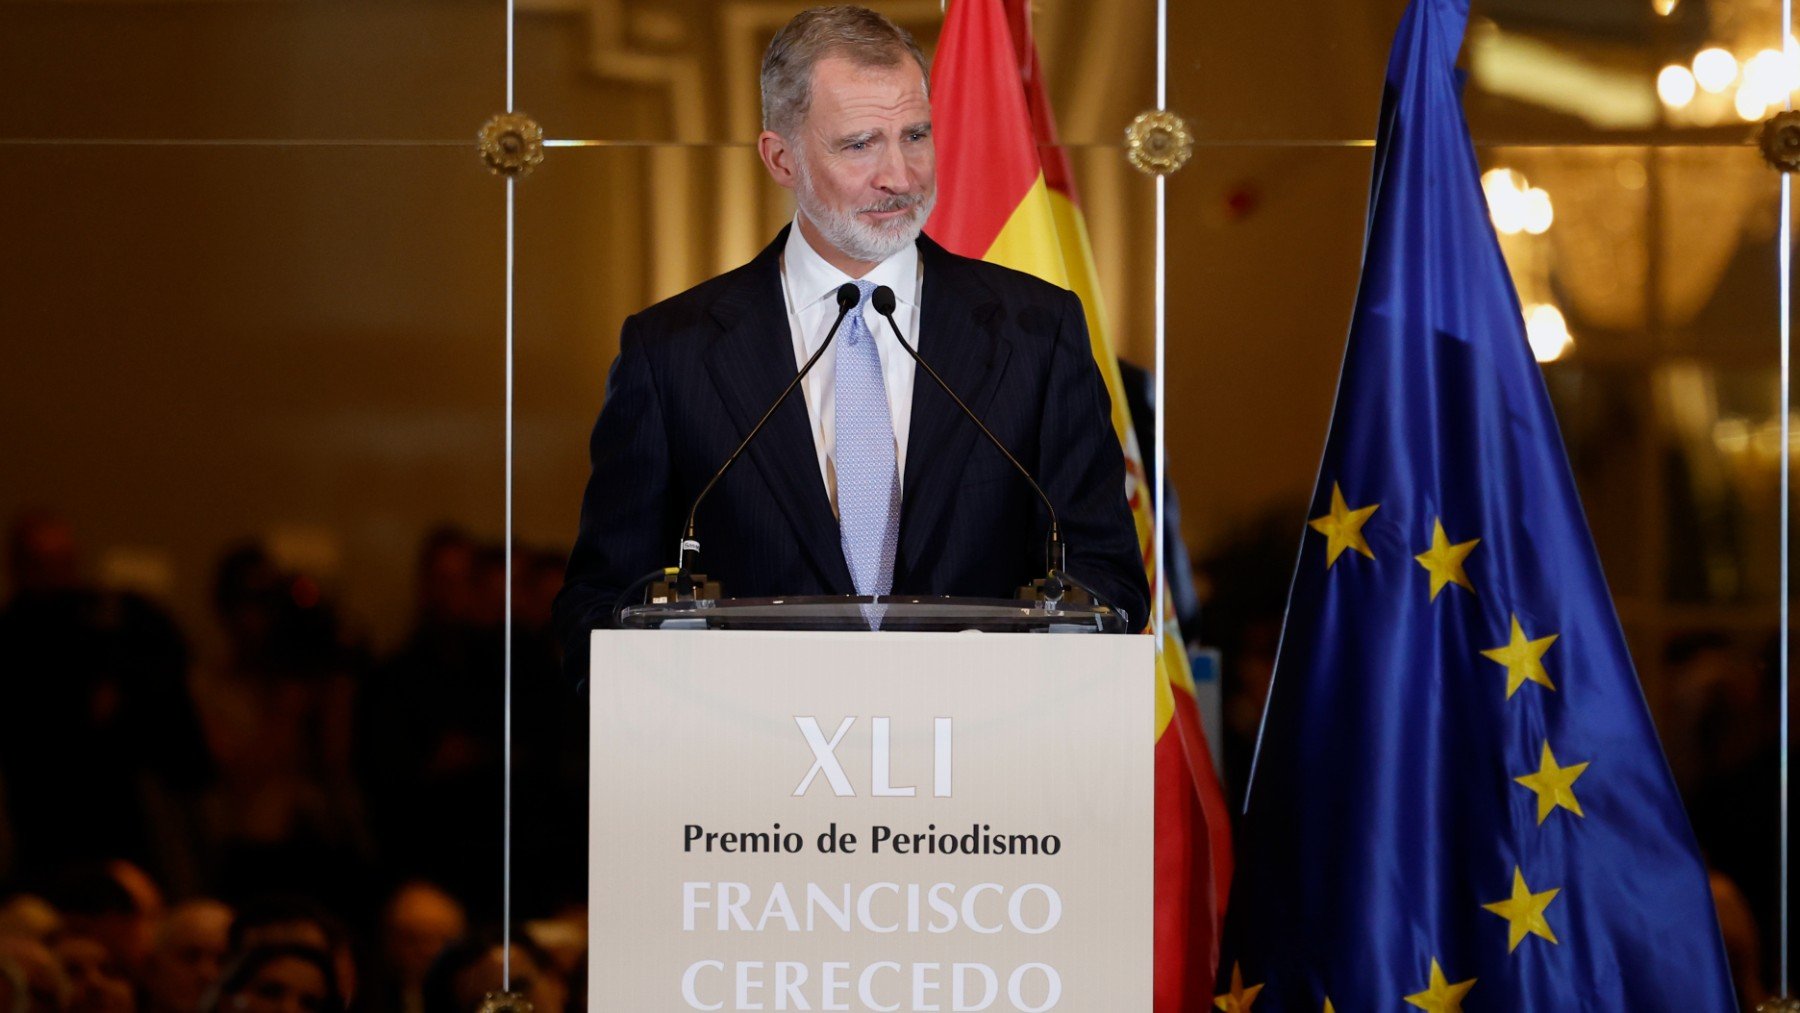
point(778, 157)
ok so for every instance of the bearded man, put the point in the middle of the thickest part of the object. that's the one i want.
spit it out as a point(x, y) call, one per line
point(873, 482)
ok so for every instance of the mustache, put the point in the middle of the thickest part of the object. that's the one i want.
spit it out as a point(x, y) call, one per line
point(898, 202)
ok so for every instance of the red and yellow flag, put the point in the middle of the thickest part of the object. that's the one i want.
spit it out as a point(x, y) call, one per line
point(1005, 195)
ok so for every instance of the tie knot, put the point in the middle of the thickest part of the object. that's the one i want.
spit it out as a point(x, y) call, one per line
point(866, 288)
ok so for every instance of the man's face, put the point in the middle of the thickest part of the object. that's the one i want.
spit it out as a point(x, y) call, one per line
point(99, 983)
point(421, 921)
point(189, 954)
point(864, 172)
point(47, 986)
point(541, 985)
point(283, 985)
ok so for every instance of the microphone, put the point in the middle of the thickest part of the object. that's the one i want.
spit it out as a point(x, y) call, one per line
point(680, 585)
point(1056, 583)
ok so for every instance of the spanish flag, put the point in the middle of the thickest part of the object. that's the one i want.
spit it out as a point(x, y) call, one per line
point(1005, 195)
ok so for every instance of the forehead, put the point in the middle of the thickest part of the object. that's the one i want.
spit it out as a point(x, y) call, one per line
point(294, 973)
point(844, 89)
point(80, 950)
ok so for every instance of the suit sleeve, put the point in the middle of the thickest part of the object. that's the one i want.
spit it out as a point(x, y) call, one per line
point(626, 527)
point(1084, 472)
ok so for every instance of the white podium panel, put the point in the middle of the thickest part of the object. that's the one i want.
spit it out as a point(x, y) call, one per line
point(870, 822)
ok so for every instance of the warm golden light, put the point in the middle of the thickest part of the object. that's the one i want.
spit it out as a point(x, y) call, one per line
point(1715, 69)
point(1675, 86)
point(1506, 189)
point(1664, 7)
point(1535, 211)
point(1547, 332)
point(1631, 174)
point(1767, 81)
point(1750, 106)
point(1731, 435)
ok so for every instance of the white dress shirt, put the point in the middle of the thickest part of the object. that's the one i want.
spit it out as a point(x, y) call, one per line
point(810, 284)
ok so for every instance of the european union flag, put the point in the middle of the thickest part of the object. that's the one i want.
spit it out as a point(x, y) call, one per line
point(1458, 801)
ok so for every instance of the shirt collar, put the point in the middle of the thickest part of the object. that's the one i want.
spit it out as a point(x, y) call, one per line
point(812, 278)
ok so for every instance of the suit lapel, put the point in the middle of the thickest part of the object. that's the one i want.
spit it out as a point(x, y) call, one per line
point(750, 363)
point(959, 336)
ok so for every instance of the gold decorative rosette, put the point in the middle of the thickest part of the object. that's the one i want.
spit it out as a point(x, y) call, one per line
point(504, 1002)
point(512, 144)
point(1784, 1004)
point(1158, 142)
point(1781, 147)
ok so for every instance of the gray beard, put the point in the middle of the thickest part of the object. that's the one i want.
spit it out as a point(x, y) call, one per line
point(857, 239)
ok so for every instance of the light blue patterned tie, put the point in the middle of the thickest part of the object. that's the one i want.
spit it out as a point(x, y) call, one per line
point(868, 482)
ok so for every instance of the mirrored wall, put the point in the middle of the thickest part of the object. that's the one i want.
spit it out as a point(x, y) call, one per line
point(257, 295)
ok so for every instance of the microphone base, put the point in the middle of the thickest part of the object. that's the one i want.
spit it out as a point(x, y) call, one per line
point(670, 589)
point(1044, 590)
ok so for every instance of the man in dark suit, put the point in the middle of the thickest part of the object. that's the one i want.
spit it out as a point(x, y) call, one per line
point(870, 480)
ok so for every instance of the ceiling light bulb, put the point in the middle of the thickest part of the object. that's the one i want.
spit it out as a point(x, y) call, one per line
point(1675, 86)
point(1535, 212)
point(1547, 332)
point(1501, 176)
point(1750, 105)
point(1766, 75)
point(1505, 190)
point(1715, 69)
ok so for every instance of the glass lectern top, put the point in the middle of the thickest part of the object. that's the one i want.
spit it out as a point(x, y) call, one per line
point(889, 613)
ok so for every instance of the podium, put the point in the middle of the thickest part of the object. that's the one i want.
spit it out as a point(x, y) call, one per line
point(791, 811)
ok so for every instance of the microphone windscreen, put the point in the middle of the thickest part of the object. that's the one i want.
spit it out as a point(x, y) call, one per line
point(883, 300)
point(847, 297)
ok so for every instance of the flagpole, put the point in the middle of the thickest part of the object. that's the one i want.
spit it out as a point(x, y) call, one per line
point(1158, 592)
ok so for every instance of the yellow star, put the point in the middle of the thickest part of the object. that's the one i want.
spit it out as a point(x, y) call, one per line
point(1524, 912)
point(1444, 561)
point(1441, 996)
point(1342, 527)
point(1524, 659)
point(1329, 1008)
point(1555, 786)
point(1237, 1000)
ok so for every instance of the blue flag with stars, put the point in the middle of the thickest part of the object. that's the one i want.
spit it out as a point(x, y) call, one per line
point(1458, 801)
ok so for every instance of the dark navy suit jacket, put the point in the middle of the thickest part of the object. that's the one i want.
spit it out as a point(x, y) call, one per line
point(696, 371)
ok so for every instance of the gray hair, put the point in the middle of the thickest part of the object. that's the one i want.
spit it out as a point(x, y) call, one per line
point(863, 36)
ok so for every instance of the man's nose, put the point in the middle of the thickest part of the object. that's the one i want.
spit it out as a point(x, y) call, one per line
point(893, 174)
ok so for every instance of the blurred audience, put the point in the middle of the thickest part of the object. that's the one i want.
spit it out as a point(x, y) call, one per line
point(1738, 928)
point(471, 968)
point(97, 981)
point(187, 957)
point(100, 750)
point(37, 975)
point(1243, 591)
point(1732, 719)
point(278, 720)
point(419, 922)
point(287, 920)
point(291, 779)
point(30, 916)
point(324, 819)
point(549, 765)
point(429, 741)
point(278, 978)
point(113, 903)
